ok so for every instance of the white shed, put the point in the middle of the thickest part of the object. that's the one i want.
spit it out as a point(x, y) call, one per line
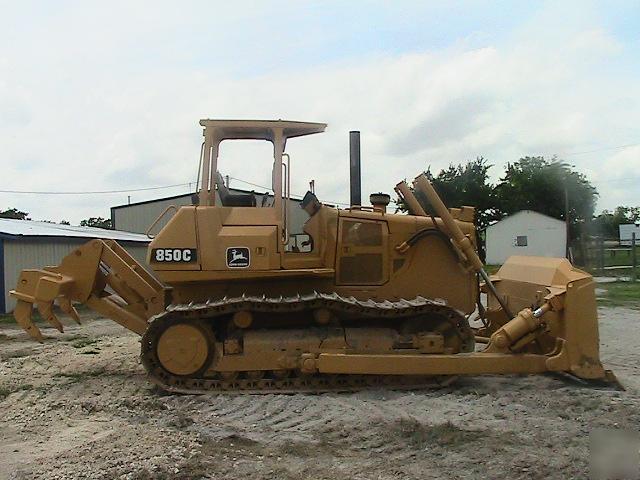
point(27, 244)
point(525, 233)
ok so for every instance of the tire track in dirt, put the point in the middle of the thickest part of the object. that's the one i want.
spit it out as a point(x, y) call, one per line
point(306, 418)
point(253, 412)
point(276, 412)
point(529, 427)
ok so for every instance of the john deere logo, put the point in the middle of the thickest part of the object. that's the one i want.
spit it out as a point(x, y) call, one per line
point(238, 257)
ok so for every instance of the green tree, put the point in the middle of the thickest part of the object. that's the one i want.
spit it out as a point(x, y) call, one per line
point(98, 222)
point(463, 184)
point(533, 183)
point(460, 185)
point(62, 222)
point(607, 223)
point(15, 214)
point(468, 184)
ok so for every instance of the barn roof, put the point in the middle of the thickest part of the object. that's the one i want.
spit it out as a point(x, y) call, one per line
point(525, 212)
point(189, 195)
point(27, 228)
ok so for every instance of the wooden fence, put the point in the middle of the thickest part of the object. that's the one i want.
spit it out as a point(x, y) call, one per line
point(604, 256)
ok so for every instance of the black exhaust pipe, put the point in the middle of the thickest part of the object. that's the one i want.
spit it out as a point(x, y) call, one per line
point(354, 170)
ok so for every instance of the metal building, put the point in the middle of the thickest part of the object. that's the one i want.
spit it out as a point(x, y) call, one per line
point(28, 244)
point(138, 217)
point(525, 233)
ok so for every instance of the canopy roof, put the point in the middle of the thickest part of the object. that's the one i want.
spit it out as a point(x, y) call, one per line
point(261, 129)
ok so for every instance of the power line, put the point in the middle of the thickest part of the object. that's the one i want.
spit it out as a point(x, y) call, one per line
point(600, 149)
point(97, 192)
point(131, 190)
point(297, 195)
point(249, 183)
point(617, 180)
point(268, 189)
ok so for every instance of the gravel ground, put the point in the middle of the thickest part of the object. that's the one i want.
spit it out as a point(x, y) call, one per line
point(79, 406)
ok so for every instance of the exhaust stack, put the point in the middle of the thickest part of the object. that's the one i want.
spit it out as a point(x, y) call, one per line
point(354, 168)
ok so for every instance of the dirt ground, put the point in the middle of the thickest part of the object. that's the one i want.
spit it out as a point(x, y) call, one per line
point(79, 406)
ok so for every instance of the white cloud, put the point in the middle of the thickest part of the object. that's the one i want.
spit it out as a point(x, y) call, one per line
point(86, 107)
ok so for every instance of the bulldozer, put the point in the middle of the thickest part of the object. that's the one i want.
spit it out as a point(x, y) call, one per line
point(234, 299)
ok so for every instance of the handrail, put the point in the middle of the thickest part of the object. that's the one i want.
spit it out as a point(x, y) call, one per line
point(286, 198)
point(155, 222)
point(365, 208)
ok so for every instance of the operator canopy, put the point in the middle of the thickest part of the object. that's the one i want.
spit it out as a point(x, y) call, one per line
point(261, 129)
point(275, 131)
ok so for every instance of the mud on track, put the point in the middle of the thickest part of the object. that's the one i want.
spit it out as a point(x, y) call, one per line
point(79, 406)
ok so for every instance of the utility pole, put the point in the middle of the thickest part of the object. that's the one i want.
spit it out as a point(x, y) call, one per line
point(566, 219)
point(634, 258)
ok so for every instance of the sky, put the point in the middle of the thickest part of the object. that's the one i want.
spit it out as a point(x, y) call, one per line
point(103, 96)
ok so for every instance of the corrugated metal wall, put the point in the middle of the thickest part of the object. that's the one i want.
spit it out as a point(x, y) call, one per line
point(40, 252)
point(298, 217)
point(138, 217)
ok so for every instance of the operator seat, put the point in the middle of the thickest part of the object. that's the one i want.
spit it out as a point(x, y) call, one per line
point(233, 199)
point(310, 203)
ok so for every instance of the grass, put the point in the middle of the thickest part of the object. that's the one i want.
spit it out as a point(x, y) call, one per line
point(610, 259)
point(492, 269)
point(8, 319)
point(76, 377)
point(620, 257)
point(625, 294)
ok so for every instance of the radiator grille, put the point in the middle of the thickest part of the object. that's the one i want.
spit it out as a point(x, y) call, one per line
point(361, 269)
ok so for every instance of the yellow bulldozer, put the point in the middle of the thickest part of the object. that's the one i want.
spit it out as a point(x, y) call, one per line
point(361, 298)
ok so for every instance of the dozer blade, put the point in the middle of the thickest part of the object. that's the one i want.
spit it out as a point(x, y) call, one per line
point(557, 316)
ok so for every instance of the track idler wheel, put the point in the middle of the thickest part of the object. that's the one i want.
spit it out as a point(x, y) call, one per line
point(184, 348)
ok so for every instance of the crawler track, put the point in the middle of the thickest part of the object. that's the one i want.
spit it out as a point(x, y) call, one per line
point(297, 382)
